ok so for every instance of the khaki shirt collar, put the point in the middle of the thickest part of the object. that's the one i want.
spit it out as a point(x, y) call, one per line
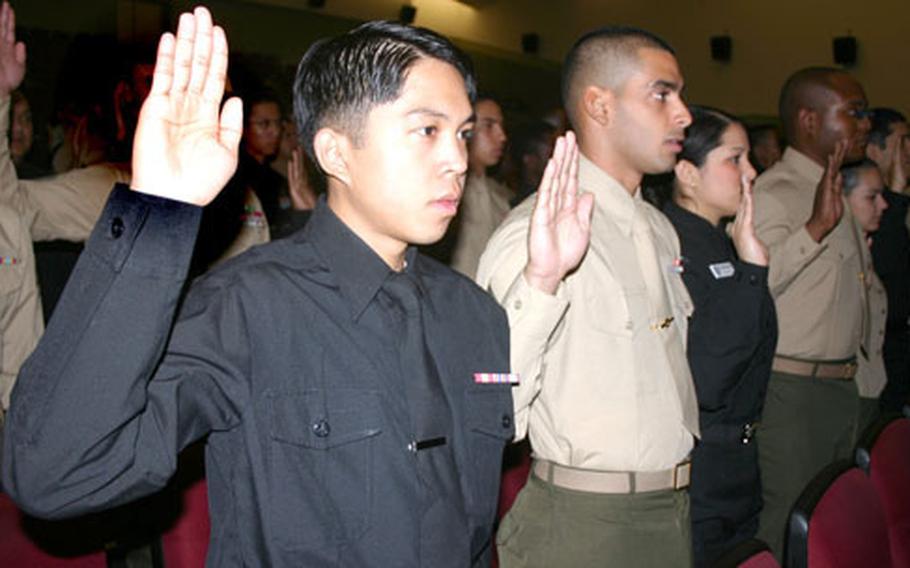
point(609, 195)
point(803, 165)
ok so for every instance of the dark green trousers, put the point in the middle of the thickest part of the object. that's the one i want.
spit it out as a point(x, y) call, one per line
point(806, 424)
point(549, 526)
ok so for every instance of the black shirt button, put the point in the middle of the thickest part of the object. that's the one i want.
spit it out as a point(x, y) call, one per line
point(753, 279)
point(506, 421)
point(321, 428)
point(117, 227)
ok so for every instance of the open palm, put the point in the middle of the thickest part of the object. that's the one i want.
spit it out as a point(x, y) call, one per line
point(561, 221)
point(185, 149)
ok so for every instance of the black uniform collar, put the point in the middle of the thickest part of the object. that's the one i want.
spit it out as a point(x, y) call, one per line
point(357, 270)
point(689, 219)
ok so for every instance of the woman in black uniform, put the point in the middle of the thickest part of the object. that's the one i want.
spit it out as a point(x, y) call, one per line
point(733, 330)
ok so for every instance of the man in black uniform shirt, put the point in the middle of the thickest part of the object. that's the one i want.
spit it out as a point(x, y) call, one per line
point(889, 145)
point(337, 374)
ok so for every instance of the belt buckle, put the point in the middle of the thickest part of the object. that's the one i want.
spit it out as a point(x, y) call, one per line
point(682, 475)
point(850, 369)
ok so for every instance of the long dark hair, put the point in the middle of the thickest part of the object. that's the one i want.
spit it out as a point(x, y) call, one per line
point(702, 136)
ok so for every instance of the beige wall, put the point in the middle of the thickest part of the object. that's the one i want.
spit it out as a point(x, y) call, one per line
point(771, 38)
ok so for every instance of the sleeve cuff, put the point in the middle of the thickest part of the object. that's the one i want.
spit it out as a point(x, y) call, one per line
point(535, 312)
point(164, 229)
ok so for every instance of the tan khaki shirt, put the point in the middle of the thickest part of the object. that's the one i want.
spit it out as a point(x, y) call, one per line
point(870, 373)
point(65, 206)
point(603, 385)
point(817, 287)
point(483, 207)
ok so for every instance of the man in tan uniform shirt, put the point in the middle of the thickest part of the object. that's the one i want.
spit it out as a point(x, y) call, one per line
point(816, 276)
point(598, 333)
point(485, 201)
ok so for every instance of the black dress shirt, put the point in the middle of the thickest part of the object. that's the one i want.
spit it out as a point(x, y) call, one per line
point(286, 359)
point(891, 257)
point(731, 343)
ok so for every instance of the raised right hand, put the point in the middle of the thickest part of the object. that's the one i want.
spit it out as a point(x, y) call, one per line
point(12, 52)
point(560, 228)
point(896, 176)
point(829, 201)
point(184, 148)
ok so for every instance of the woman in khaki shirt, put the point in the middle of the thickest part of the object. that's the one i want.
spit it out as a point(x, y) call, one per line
point(863, 188)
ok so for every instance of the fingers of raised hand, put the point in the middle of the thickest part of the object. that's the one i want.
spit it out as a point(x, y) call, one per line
point(8, 23)
point(231, 124)
point(202, 50)
point(183, 53)
point(164, 66)
point(216, 74)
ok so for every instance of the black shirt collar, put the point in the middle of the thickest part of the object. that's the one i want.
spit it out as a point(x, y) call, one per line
point(358, 271)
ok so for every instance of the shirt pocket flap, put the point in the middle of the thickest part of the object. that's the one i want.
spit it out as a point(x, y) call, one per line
point(489, 411)
point(325, 419)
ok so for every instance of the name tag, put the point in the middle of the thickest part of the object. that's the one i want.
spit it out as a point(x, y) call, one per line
point(721, 270)
point(496, 378)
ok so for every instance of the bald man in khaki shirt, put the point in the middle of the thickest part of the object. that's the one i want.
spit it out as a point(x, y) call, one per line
point(597, 312)
point(816, 278)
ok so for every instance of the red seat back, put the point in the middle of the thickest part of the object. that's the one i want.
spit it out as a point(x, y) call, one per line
point(839, 521)
point(186, 543)
point(889, 470)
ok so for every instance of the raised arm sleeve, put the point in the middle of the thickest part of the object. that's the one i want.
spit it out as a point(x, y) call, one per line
point(533, 315)
point(790, 247)
point(115, 388)
point(64, 206)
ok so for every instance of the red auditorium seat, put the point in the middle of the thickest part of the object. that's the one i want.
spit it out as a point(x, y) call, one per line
point(752, 553)
point(884, 453)
point(17, 547)
point(838, 521)
point(186, 542)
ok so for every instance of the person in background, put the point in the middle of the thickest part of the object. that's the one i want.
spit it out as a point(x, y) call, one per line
point(531, 146)
point(733, 329)
point(485, 202)
point(765, 146)
point(889, 148)
point(864, 192)
point(817, 262)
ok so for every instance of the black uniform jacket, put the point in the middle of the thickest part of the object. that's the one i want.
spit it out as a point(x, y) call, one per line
point(276, 357)
point(733, 331)
point(891, 256)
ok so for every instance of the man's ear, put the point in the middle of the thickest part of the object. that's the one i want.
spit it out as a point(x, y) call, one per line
point(687, 174)
point(597, 103)
point(333, 152)
point(809, 121)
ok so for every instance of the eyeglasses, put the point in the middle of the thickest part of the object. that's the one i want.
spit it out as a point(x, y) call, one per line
point(859, 113)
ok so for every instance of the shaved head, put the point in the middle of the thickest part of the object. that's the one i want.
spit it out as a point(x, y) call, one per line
point(811, 88)
point(605, 58)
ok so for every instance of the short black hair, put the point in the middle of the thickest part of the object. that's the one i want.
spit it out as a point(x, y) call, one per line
point(882, 120)
point(704, 134)
point(850, 173)
point(339, 80)
point(604, 48)
point(799, 92)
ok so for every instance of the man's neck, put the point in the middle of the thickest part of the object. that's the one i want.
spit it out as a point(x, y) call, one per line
point(389, 249)
point(813, 154)
point(628, 178)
